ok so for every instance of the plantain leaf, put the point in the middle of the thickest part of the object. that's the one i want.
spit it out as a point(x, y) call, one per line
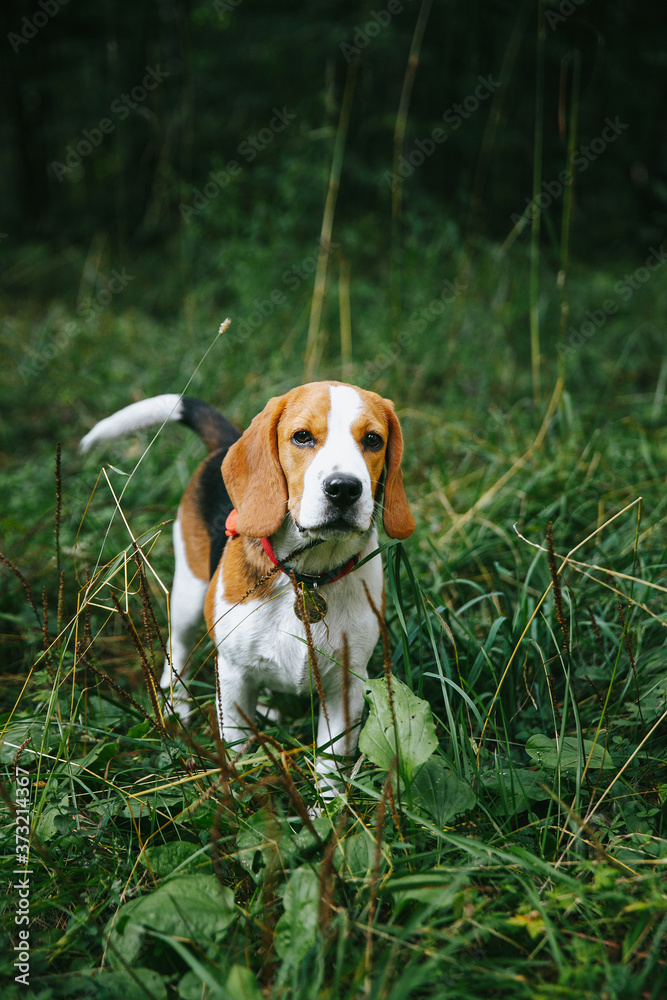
point(355, 856)
point(569, 753)
point(443, 795)
point(187, 907)
point(414, 732)
point(163, 859)
point(296, 931)
point(242, 984)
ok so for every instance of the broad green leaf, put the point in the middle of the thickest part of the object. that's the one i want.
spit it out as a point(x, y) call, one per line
point(443, 795)
point(164, 858)
point(126, 938)
point(294, 844)
point(54, 821)
point(12, 740)
point(414, 731)
point(517, 787)
point(135, 985)
point(355, 856)
point(296, 931)
point(140, 730)
point(192, 987)
point(97, 758)
point(267, 840)
point(105, 713)
point(569, 753)
point(257, 846)
point(191, 907)
point(242, 984)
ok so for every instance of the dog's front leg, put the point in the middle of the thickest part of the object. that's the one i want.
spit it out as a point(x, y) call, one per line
point(236, 701)
point(338, 729)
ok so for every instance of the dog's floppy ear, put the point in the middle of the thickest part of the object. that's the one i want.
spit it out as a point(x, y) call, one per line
point(398, 521)
point(254, 477)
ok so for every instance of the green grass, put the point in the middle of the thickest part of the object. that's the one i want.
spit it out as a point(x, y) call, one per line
point(525, 857)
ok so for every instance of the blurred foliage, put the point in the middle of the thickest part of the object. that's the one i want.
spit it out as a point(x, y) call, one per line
point(221, 68)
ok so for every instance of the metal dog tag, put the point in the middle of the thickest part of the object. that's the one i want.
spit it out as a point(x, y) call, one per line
point(310, 606)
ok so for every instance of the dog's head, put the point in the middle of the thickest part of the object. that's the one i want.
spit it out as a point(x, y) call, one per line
point(327, 454)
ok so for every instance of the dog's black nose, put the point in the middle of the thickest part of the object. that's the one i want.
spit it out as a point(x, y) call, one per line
point(342, 490)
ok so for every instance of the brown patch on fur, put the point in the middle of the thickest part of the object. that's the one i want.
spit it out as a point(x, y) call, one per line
point(372, 420)
point(398, 521)
point(195, 534)
point(245, 569)
point(209, 603)
point(254, 477)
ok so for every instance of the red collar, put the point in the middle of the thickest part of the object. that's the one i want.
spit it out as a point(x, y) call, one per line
point(315, 581)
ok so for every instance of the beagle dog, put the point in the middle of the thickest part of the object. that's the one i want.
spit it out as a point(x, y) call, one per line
point(295, 509)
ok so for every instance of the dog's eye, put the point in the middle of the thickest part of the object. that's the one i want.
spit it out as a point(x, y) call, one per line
point(303, 438)
point(372, 441)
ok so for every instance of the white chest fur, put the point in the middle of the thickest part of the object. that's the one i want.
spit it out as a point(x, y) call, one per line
point(267, 638)
point(262, 644)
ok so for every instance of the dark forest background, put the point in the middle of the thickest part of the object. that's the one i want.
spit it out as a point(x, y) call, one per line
point(227, 65)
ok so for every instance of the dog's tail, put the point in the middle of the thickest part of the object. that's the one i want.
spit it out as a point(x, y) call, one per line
point(215, 431)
